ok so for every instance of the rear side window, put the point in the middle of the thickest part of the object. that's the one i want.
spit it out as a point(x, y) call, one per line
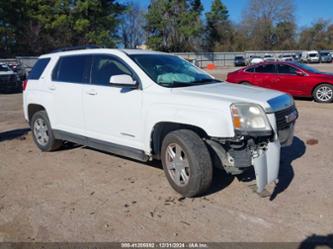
point(267, 68)
point(38, 68)
point(73, 69)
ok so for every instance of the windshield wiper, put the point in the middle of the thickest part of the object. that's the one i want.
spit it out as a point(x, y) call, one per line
point(185, 84)
point(205, 81)
point(175, 84)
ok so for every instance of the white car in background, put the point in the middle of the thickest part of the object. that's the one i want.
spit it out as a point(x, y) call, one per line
point(310, 56)
point(256, 60)
point(286, 57)
point(269, 58)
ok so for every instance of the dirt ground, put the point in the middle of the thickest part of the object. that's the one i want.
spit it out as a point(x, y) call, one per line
point(80, 194)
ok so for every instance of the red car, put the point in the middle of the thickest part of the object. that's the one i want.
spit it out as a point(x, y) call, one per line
point(291, 77)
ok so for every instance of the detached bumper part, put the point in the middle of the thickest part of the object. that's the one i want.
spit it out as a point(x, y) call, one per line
point(266, 165)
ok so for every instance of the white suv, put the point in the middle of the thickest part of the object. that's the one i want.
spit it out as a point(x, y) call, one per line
point(150, 105)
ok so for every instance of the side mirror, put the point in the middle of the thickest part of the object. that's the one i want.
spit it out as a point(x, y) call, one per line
point(300, 73)
point(122, 80)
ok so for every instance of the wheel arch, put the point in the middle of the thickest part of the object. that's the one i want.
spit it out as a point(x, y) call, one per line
point(321, 83)
point(33, 108)
point(161, 129)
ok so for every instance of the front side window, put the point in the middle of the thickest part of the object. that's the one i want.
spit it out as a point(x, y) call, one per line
point(266, 68)
point(38, 68)
point(72, 69)
point(306, 67)
point(105, 66)
point(171, 71)
point(286, 69)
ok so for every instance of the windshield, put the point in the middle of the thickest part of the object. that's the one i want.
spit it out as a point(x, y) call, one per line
point(4, 68)
point(239, 58)
point(171, 71)
point(313, 55)
point(324, 54)
point(307, 68)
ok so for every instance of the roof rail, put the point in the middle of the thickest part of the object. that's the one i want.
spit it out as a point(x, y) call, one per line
point(89, 46)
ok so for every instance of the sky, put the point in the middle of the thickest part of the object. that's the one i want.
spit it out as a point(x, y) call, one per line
point(307, 11)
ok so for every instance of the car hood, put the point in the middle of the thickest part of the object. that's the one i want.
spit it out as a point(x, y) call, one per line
point(234, 93)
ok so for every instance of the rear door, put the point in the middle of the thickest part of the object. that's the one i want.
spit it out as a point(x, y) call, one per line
point(68, 77)
point(264, 75)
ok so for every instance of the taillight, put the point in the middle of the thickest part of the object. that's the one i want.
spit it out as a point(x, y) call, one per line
point(24, 84)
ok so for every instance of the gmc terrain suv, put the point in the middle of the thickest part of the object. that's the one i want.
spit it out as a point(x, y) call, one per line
point(149, 105)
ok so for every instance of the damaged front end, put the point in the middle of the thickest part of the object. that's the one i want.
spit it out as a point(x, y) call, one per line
point(259, 136)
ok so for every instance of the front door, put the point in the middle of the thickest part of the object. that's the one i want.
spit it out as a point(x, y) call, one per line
point(288, 81)
point(112, 113)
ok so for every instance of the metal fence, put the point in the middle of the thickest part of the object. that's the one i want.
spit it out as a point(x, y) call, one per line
point(201, 59)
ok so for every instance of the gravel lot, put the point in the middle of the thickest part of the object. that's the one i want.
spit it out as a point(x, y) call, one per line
point(80, 194)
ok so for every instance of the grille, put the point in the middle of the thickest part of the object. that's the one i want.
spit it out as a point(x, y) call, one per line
point(281, 121)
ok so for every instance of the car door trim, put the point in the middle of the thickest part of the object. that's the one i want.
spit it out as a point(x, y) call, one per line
point(117, 149)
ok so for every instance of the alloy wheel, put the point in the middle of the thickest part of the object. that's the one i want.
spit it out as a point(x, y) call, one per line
point(177, 164)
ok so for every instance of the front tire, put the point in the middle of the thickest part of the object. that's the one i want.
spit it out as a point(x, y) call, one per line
point(323, 93)
point(42, 132)
point(187, 163)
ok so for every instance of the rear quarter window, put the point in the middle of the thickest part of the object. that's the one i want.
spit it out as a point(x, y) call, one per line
point(38, 68)
point(250, 70)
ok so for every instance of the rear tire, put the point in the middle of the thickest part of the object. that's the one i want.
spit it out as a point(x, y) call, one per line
point(323, 93)
point(187, 163)
point(42, 132)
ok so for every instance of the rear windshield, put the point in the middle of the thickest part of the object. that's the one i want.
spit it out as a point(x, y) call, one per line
point(313, 55)
point(38, 69)
point(239, 57)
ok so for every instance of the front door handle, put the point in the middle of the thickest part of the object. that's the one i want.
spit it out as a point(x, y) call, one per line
point(91, 92)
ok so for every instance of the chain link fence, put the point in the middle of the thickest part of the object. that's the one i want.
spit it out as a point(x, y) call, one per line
point(202, 59)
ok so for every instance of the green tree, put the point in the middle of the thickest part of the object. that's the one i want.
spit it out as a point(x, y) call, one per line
point(319, 36)
point(32, 27)
point(261, 18)
point(172, 25)
point(285, 36)
point(219, 29)
point(131, 26)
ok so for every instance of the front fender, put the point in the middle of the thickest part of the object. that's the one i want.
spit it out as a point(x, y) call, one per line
point(215, 122)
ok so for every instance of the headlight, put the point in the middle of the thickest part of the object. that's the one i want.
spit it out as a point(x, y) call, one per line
point(249, 118)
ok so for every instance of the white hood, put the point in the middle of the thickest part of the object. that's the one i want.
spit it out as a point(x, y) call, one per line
point(232, 93)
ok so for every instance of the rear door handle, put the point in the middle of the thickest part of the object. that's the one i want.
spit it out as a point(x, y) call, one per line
point(91, 92)
point(52, 87)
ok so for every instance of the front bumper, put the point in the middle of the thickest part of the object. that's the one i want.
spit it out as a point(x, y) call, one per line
point(266, 162)
point(262, 151)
